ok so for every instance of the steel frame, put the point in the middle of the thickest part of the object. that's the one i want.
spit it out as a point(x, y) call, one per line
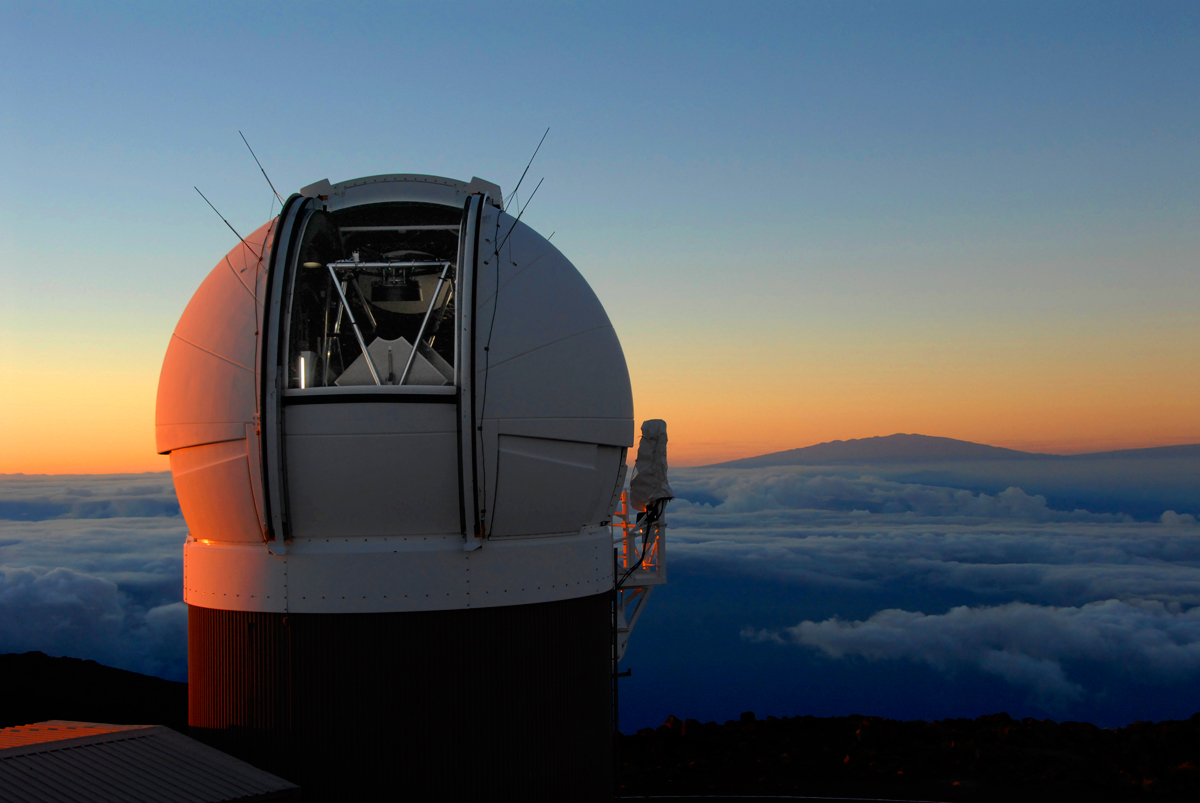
point(641, 565)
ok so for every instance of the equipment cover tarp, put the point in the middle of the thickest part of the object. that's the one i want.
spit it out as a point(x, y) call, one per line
point(649, 483)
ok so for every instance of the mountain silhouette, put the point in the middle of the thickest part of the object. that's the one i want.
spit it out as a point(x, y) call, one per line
point(902, 448)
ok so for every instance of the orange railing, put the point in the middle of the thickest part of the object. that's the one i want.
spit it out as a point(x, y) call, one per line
point(631, 542)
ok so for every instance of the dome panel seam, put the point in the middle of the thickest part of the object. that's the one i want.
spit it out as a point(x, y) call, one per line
point(213, 353)
point(545, 345)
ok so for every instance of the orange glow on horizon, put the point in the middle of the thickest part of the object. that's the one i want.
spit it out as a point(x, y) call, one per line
point(103, 421)
point(1053, 392)
point(1058, 387)
point(94, 415)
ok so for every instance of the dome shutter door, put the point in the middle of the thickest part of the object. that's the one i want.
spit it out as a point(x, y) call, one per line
point(470, 489)
point(273, 367)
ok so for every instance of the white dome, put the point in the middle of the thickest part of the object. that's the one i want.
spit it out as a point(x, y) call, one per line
point(319, 471)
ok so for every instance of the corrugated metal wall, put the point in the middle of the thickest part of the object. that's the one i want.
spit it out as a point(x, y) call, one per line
point(510, 703)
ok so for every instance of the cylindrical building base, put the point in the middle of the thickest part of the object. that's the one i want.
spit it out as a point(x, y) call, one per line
point(507, 703)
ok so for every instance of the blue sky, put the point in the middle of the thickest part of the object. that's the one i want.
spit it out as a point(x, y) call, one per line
point(876, 198)
point(800, 114)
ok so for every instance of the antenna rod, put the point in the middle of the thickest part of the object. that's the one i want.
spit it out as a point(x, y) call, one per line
point(260, 167)
point(518, 220)
point(226, 222)
point(531, 158)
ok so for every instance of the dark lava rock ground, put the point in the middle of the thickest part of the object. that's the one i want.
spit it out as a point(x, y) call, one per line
point(37, 687)
point(992, 758)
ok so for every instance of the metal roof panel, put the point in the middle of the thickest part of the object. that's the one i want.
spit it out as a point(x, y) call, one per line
point(63, 762)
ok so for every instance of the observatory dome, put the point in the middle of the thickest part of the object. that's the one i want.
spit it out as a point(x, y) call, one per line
point(398, 421)
point(394, 397)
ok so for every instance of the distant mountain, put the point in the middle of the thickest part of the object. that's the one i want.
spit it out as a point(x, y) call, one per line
point(889, 449)
point(902, 448)
point(1190, 450)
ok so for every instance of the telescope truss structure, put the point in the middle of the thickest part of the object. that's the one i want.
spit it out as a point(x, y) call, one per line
point(641, 565)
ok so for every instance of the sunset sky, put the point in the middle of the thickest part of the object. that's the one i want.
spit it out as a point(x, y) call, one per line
point(808, 221)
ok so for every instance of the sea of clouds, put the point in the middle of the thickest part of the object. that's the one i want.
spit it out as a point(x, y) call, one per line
point(91, 566)
point(1061, 607)
point(786, 585)
point(872, 534)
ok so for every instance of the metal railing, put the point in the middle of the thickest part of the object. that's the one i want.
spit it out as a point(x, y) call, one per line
point(641, 565)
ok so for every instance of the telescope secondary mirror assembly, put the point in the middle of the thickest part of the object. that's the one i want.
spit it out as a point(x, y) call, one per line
point(398, 422)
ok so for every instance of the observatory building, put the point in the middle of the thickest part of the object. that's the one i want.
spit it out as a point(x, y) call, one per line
point(398, 421)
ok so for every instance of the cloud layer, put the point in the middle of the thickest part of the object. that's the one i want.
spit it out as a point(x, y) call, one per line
point(1022, 643)
point(63, 612)
point(1044, 590)
point(41, 497)
point(751, 491)
point(92, 567)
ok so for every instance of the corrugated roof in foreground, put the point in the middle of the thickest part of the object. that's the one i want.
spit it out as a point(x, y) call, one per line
point(75, 761)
